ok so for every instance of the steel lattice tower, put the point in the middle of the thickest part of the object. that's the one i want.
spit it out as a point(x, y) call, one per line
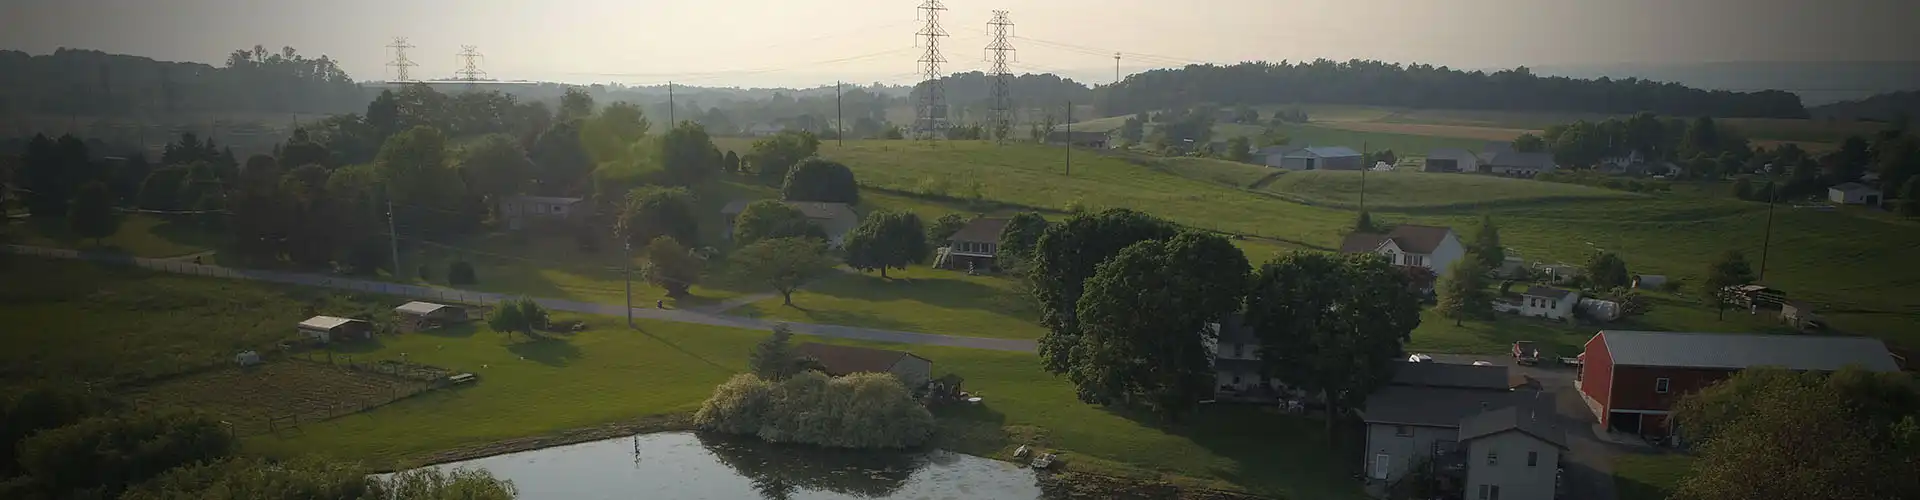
point(930, 120)
point(471, 71)
point(1000, 52)
point(400, 62)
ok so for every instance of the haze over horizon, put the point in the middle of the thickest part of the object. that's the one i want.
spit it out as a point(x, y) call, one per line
point(786, 44)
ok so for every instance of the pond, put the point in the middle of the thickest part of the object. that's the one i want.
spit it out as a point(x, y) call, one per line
point(685, 465)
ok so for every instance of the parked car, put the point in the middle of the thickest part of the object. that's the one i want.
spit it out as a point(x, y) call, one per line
point(1419, 358)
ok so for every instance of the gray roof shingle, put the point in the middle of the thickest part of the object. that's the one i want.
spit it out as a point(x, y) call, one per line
point(1513, 418)
point(1737, 351)
point(1444, 406)
point(1451, 375)
point(981, 230)
point(1547, 292)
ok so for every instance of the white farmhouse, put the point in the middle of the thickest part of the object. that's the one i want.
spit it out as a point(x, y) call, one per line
point(1548, 302)
point(1430, 247)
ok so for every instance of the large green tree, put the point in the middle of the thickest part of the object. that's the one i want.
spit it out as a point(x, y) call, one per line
point(1486, 244)
point(772, 219)
point(688, 154)
point(783, 264)
point(496, 167)
point(652, 212)
point(104, 455)
point(1529, 143)
point(310, 478)
point(1774, 433)
point(820, 179)
point(887, 239)
point(1332, 325)
point(91, 215)
point(1606, 270)
point(772, 156)
point(1066, 256)
point(1143, 319)
point(944, 228)
point(1463, 292)
point(773, 358)
point(671, 266)
point(1018, 239)
point(1729, 269)
point(561, 162)
point(415, 169)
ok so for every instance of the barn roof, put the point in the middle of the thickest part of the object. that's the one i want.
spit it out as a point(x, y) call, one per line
point(417, 307)
point(1737, 351)
point(1463, 376)
point(1409, 237)
point(326, 322)
point(1326, 151)
point(842, 359)
point(1851, 187)
point(1547, 292)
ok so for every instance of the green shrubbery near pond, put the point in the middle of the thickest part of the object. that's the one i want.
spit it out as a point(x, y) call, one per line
point(862, 410)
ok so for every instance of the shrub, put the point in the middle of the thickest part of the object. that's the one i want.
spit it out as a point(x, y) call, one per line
point(867, 410)
point(461, 273)
point(819, 179)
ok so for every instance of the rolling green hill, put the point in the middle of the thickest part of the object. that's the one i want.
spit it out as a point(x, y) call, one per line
point(1827, 258)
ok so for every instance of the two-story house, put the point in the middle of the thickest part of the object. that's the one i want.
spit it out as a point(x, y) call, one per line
point(1548, 302)
point(1236, 364)
point(1446, 419)
point(1428, 247)
point(1632, 379)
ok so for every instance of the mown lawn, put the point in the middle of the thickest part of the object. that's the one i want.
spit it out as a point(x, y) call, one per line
point(919, 299)
point(1410, 190)
point(1648, 477)
point(140, 235)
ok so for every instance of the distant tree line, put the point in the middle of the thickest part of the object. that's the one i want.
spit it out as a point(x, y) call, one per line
point(90, 82)
point(1376, 83)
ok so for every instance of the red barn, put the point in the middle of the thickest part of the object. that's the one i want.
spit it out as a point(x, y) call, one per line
point(1631, 379)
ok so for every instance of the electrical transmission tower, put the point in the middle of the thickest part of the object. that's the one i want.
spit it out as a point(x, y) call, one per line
point(930, 120)
point(400, 62)
point(471, 71)
point(1000, 52)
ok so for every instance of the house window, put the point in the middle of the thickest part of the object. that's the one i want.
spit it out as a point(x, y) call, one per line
point(1533, 458)
point(1489, 492)
point(1403, 431)
point(1493, 457)
point(1661, 385)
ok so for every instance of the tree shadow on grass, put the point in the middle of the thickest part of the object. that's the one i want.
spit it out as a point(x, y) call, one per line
point(955, 292)
point(548, 351)
point(683, 350)
point(454, 331)
point(1270, 451)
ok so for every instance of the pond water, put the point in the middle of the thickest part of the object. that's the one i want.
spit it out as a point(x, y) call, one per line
point(685, 465)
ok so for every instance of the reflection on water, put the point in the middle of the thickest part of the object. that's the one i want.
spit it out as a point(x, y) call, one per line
point(683, 465)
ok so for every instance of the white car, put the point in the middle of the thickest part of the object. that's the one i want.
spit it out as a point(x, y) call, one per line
point(1482, 363)
point(1419, 358)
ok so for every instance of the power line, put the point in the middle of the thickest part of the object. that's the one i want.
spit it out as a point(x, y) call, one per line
point(400, 62)
point(931, 118)
point(999, 52)
point(471, 72)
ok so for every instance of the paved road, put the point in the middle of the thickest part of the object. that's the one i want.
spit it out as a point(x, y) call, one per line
point(703, 316)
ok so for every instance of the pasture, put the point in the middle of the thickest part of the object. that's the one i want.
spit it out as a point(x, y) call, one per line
point(1402, 189)
point(278, 395)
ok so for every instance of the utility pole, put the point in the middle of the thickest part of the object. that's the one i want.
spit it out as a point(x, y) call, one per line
point(393, 237)
point(1116, 84)
point(400, 62)
point(1069, 138)
point(670, 122)
point(627, 273)
point(470, 72)
point(839, 118)
point(1766, 240)
point(1364, 167)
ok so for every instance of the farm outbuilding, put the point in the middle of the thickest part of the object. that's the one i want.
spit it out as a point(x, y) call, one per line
point(1451, 160)
point(1322, 158)
point(328, 328)
point(1854, 193)
point(1649, 281)
point(425, 314)
point(1632, 379)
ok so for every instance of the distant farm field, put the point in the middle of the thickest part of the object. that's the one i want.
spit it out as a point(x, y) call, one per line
point(1408, 190)
point(1431, 130)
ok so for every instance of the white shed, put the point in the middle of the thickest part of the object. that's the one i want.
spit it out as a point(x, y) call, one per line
point(328, 328)
point(1854, 193)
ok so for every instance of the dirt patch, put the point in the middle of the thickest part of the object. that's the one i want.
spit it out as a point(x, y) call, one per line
point(1080, 485)
point(1431, 130)
point(643, 425)
point(263, 398)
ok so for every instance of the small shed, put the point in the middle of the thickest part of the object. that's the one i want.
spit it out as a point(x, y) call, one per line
point(1649, 281)
point(328, 328)
point(428, 314)
point(1854, 193)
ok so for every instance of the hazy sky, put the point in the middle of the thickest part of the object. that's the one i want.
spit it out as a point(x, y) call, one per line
point(766, 42)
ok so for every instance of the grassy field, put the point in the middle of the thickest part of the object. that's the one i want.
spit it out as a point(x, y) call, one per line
point(919, 299)
point(1227, 173)
point(140, 235)
point(1409, 190)
point(1648, 477)
point(84, 322)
